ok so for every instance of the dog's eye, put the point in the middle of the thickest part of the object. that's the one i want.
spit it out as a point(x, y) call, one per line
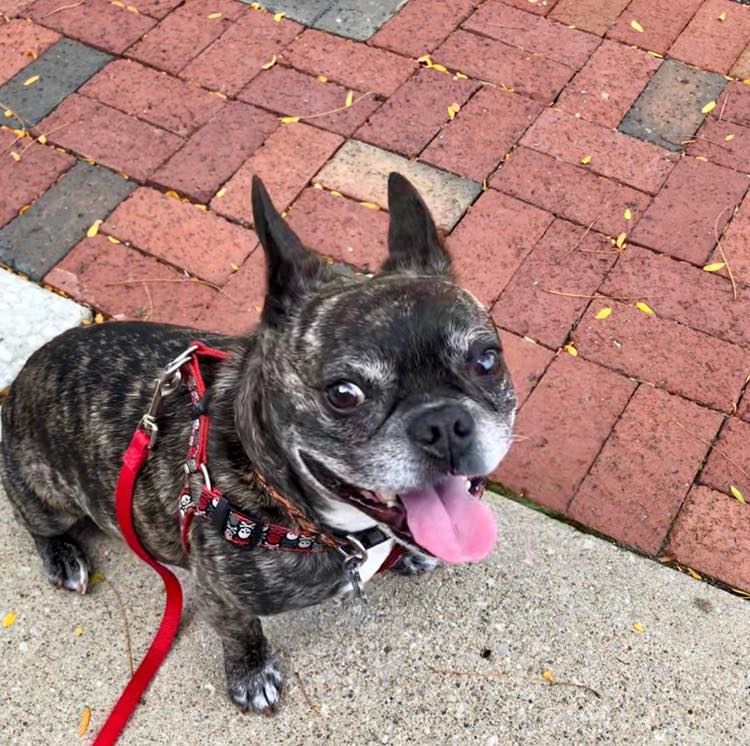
point(485, 363)
point(345, 395)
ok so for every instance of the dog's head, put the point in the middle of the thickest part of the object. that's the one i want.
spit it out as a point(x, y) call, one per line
point(385, 395)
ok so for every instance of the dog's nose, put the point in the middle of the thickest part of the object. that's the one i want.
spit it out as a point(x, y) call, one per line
point(444, 432)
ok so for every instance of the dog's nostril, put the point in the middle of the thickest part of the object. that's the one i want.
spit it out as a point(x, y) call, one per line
point(463, 427)
point(434, 436)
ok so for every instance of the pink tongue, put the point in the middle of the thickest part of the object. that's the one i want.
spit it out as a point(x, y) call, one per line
point(450, 522)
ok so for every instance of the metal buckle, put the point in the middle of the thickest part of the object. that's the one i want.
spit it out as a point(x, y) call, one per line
point(353, 560)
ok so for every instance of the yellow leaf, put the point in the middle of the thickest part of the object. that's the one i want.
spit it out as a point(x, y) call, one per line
point(709, 107)
point(221, 192)
point(586, 160)
point(533, 2)
point(737, 494)
point(548, 676)
point(426, 59)
point(628, 214)
point(269, 64)
point(278, 16)
point(728, 138)
point(97, 577)
point(461, 76)
point(94, 229)
point(645, 308)
point(439, 68)
point(334, 193)
point(289, 120)
point(42, 139)
point(31, 53)
point(453, 109)
point(114, 240)
point(370, 205)
point(317, 185)
point(8, 113)
point(123, 175)
point(10, 619)
point(639, 628)
point(22, 210)
point(90, 161)
point(656, 54)
point(234, 266)
point(30, 81)
point(99, 318)
point(15, 156)
point(256, 6)
point(220, 95)
point(714, 267)
point(349, 99)
point(693, 574)
point(603, 314)
point(723, 16)
point(636, 26)
point(118, 3)
point(213, 16)
point(620, 240)
point(570, 349)
point(202, 207)
point(85, 720)
point(132, 9)
point(171, 193)
point(79, 630)
point(322, 78)
point(701, 158)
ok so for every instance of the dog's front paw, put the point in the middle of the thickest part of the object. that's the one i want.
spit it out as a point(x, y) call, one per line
point(256, 690)
point(65, 563)
point(414, 564)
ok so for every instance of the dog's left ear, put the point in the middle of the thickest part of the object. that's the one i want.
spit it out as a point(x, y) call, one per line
point(291, 269)
point(413, 241)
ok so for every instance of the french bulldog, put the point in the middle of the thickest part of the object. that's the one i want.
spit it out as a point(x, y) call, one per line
point(365, 400)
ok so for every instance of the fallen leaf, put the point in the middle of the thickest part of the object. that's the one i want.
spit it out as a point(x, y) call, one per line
point(709, 107)
point(453, 109)
point(10, 619)
point(701, 158)
point(31, 53)
point(426, 59)
point(30, 81)
point(256, 6)
point(636, 26)
point(97, 577)
point(639, 628)
point(586, 160)
point(204, 208)
point(570, 349)
point(628, 214)
point(78, 630)
point(620, 240)
point(269, 64)
point(439, 68)
point(317, 185)
point(94, 229)
point(370, 205)
point(8, 113)
point(603, 314)
point(114, 240)
point(728, 138)
point(171, 193)
point(15, 156)
point(278, 16)
point(22, 210)
point(221, 192)
point(234, 266)
point(737, 494)
point(220, 95)
point(548, 676)
point(213, 16)
point(132, 9)
point(656, 54)
point(461, 76)
point(693, 574)
point(42, 139)
point(334, 193)
point(99, 318)
point(645, 308)
point(322, 78)
point(349, 99)
point(85, 720)
point(118, 3)
point(289, 120)
point(714, 267)
point(723, 16)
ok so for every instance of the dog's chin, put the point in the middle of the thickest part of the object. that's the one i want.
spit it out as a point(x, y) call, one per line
point(386, 509)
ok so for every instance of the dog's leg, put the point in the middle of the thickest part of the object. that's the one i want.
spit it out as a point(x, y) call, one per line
point(410, 563)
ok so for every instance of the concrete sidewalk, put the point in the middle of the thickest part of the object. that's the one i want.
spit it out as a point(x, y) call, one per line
point(549, 598)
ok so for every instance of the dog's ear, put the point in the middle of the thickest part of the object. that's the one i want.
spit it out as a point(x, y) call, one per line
point(291, 269)
point(413, 241)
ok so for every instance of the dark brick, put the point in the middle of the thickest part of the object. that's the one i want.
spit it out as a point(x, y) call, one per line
point(693, 206)
point(216, 151)
point(638, 482)
point(302, 11)
point(64, 67)
point(526, 361)
point(669, 110)
point(35, 241)
point(565, 422)
point(18, 40)
point(357, 19)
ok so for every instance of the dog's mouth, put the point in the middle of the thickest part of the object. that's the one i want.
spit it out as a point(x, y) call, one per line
point(446, 519)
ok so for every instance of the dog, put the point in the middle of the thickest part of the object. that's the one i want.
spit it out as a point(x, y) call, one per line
point(367, 402)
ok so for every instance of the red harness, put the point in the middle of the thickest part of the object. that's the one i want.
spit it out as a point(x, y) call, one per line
point(236, 526)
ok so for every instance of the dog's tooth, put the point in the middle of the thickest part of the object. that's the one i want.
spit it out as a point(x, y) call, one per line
point(467, 484)
point(389, 500)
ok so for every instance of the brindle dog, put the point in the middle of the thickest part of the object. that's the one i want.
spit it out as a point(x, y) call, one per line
point(357, 398)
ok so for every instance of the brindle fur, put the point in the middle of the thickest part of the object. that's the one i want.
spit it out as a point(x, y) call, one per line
point(71, 413)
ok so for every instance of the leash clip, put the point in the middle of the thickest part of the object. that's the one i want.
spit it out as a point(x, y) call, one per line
point(353, 560)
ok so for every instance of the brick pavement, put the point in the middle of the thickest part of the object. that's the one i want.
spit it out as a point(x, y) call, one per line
point(594, 156)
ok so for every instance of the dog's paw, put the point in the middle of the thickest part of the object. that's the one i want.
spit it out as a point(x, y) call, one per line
point(65, 563)
point(414, 564)
point(257, 690)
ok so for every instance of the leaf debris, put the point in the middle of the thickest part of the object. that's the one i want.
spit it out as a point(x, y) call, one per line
point(645, 308)
point(604, 313)
point(636, 26)
point(85, 720)
point(10, 619)
point(709, 107)
point(737, 494)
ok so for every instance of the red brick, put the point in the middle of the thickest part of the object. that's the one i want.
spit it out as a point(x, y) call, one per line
point(697, 199)
point(238, 55)
point(592, 15)
point(741, 67)
point(348, 63)
point(157, 8)
point(712, 535)
point(728, 461)
point(216, 151)
point(609, 83)
point(526, 308)
point(736, 244)
point(420, 26)
point(564, 424)
point(661, 20)
point(526, 361)
point(467, 146)
point(413, 115)
point(710, 43)
point(710, 143)
point(340, 228)
point(734, 103)
point(492, 241)
point(682, 292)
point(152, 96)
point(185, 33)
point(571, 192)
point(664, 353)
point(540, 7)
point(94, 22)
point(617, 156)
point(287, 161)
point(637, 484)
point(13, 8)
point(108, 136)
point(98, 272)
point(200, 242)
point(531, 74)
point(17, 38)
point(292, 93)
point(21, 182)
point(237, 309)
point(532, 33)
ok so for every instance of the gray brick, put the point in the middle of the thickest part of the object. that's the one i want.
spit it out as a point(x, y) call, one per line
point(37, 240)
point(302, 11)
point(358, 19)
point(669, 109)
point(62, 69)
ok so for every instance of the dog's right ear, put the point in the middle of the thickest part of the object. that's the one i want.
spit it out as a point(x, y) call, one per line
point(291, 269)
